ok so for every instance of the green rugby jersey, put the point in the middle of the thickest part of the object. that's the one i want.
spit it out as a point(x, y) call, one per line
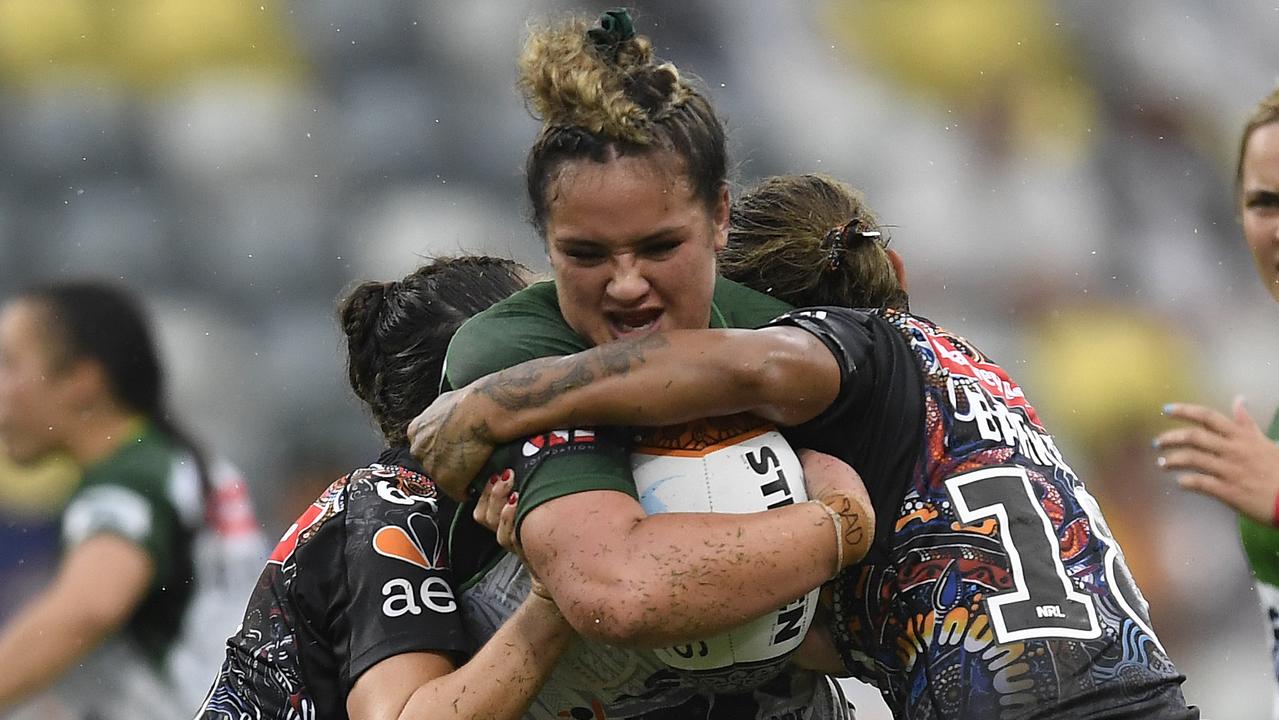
point(147, 492)
point(529, 325)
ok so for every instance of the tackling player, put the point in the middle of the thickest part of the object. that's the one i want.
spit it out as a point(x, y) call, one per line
point(356, 613)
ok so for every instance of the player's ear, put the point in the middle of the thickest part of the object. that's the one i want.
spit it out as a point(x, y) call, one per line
point(721, 217)
point(899, 267)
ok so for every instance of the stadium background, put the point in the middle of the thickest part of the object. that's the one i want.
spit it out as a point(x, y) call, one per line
point(1057, 175)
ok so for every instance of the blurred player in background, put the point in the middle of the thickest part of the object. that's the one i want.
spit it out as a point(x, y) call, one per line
point(627, 183)
point(1230, 458)
point(32, 496)
point(80, 374)
point(994, 588)
point(356, 614)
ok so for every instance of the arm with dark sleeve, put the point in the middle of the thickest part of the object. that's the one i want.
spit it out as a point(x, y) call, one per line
point(785, 375)
point(846, 378)
point(399, 593)
point(406, 636)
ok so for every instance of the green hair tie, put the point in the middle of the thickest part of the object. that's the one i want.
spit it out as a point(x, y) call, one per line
point(615, 27)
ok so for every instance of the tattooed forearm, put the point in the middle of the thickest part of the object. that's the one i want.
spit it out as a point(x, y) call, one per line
point(536, 383)
point(619, 358)
point(533, 384)
point(477, 439)
point(448, 442)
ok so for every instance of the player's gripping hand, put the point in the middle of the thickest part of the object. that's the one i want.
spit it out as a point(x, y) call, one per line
point(495, 505)
point(1230, 459)
point(495, 510)
point(836, 485)
point(451, 442)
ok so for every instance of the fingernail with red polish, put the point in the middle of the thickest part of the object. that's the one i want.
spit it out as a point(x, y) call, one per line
point(511, 500)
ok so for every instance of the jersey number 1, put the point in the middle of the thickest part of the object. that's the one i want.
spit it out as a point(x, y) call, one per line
point(1043, 603)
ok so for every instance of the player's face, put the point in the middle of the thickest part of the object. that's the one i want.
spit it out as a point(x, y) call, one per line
point(31, 391)
point(1261, 203)
point(632, 247)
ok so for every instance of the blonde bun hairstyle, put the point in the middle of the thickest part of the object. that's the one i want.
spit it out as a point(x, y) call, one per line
point(600, 94)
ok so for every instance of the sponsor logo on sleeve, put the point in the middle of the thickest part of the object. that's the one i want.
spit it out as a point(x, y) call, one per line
point(421, 546)
point(557, 439)
point(411, 545)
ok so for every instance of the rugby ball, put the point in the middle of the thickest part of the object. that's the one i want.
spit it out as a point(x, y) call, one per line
point(735, 464)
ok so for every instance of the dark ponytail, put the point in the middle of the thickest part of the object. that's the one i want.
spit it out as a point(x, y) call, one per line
point(397, 332)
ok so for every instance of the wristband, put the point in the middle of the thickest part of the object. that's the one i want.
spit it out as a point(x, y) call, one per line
point(838, 524)
point(1274, 514)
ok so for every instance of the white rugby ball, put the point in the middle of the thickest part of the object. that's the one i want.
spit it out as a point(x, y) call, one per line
point(735, 464)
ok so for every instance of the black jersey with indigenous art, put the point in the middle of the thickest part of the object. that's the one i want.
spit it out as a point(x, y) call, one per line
point(995, 589)
point(360, 577)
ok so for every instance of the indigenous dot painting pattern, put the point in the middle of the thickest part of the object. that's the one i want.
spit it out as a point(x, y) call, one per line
point(1004, 594)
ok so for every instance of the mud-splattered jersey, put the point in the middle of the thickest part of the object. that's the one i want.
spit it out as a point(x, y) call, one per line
point(594, 681)
point(360, 577)
point(997, 591)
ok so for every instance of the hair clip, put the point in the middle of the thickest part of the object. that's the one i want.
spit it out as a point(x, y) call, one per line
point(615, 27)
point(873, 235)
point(838, 240)
point(834, 244)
